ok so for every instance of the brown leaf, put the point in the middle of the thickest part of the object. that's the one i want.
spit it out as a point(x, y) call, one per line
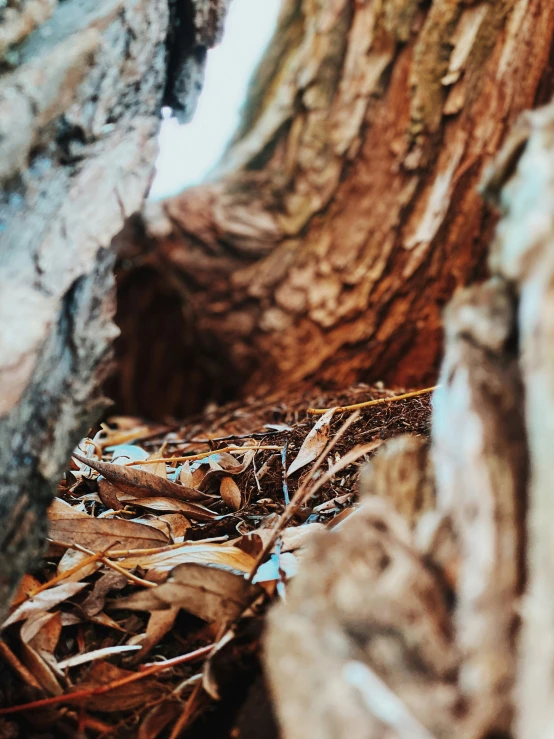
point(140, 483)
point(44, 601)
point(95, 601)
point(314, 443)
point(230, 492)
point(178, 524)
point(27, 586)
point(225, 464)
point(34, 624)
point(116, 437)
point(223, 555)
point(40, 669)
point(192, 510)
point(108, 494)
point(158, 718)
point(70, 559)
point(214, 593)
point(159, 624)
point(123, 698)
point(74, 527)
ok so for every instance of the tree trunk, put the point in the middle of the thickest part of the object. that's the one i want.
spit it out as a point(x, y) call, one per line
point(81, 88)
point(344, 213)
point(447, 629)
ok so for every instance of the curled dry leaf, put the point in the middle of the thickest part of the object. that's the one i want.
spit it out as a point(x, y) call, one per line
point(44, 601)
point(230, 492)
point(213, 593)
point(224, 464)
point(314, 443)
point(75, 527)
point(140, 483)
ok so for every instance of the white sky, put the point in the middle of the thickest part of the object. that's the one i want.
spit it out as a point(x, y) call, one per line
point(189, 152)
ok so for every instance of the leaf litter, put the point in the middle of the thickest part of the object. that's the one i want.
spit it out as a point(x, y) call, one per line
point(166, 546)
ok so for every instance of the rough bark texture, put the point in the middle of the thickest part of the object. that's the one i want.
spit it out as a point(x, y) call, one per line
point(81, 86)
point(344, 213)
point(488, 535)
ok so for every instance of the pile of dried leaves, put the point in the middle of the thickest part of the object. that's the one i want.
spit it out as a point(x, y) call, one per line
point(167, 544)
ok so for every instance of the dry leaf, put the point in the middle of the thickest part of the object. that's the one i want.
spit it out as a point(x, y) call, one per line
point(295, 537)
point(34, 624)
point(314, 443)
point(44, 601)
point(192, 510)
point(224, 464)
point(230, 492)
point(211, 593)
point(118, 437)
point(40, 669)
point(159, 624)
point(80, 659)
point(158, 718)
point(70, 559)
point(178, 524)
point(95, 601)
point(108, 494)
point(124, 698)
point(27, 586)
point(140, 483)
point(203, 554)
point(47, 636)
point(98, 534)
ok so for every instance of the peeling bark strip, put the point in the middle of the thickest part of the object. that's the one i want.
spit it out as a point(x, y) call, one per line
point(345, 212)
point(81, 85)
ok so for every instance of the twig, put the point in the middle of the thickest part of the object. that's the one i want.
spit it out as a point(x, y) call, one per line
point(111, 565)
point(203, 455)
point(299, 496)
point(101, 689)
point(68, 573)
point(379, 401)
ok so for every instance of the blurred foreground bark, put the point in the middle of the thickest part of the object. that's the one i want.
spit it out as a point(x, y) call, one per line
point(344, 213)
point(81, 87)
point(441, 623)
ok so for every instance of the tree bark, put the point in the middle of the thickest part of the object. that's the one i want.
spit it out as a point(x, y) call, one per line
point(356, 615)
point(81, 87)
point(344, 213)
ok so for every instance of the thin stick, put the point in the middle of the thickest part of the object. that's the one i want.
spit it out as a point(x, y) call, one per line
point(111, 565)
point(101, 689)
point(379, 401)
point(64, 575)
point(203, 455)
point(299, 496)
